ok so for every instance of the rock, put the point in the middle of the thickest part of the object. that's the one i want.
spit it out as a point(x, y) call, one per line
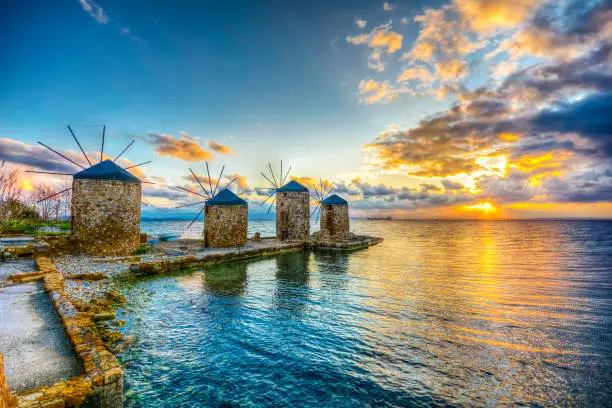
point(256, 237)
point(104, 316)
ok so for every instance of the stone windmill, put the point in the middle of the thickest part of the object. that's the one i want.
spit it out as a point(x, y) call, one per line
point(225, 214)
point(333, 210)
point(292, 206)
point(105, 208)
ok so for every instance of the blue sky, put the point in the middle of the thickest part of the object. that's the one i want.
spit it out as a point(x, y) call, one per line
point(285, 80)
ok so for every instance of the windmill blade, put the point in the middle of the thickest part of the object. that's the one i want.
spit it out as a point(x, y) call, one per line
point(102, 147)
point(284, 178)
point(281, 174)
point(271, 182)
point(318, 215)
point(194, 220)
point(48, 172)
point(219, 179)
point(228, 184)
point(269, 197)
point(315, 210)
point(137, 165)
point(188, 205)
point(58, 153)
point(270, 207)
point(272, 172)
point(200, 183)
point(79, 144)
point(147, 182)
point(124, 150)
point(53, 195)
point(209, 182)
point(316, 191)
point(192, 192)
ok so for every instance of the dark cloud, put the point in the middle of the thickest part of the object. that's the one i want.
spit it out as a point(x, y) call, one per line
point(170, 193)
point(35, 156)
point(590, 117)
point(451, 186)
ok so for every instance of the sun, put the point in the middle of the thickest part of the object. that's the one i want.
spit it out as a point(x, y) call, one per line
point(485, 207)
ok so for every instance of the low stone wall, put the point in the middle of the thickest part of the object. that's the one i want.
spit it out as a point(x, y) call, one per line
point(56, 244)
point(192, 261)
point(6, 398)
point(354, 245)
point(101, 385)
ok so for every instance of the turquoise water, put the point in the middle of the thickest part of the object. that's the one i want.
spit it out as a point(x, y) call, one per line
point(440, 314)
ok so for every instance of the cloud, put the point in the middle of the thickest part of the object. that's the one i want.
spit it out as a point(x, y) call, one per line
point(388, 6)
point(184, 148)
point(219, 148)
point(94, 10)
point(372, 91)
point(360, 23)
point(383, 40)
point(488, 15)
point(37, 157)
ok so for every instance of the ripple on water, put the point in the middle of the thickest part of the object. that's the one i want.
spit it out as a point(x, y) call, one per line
point(442, 313)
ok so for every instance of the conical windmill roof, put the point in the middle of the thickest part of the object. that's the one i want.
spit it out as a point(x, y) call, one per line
point(334, 200)
point(292, 186)
point(225, 197)
point(106, 170)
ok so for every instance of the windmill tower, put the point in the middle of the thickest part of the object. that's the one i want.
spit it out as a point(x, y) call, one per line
point(333, 212)
point(292, 206)
point(225, 214)
point(105, 209)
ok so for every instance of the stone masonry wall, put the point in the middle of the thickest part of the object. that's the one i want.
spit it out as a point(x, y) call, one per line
point(225, 226)
point(6, 399)
point(293, 216)
point(105, 216)
point(334, 223)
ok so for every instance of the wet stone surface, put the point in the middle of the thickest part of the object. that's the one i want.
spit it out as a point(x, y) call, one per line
point(32, 339)
point(10, 267)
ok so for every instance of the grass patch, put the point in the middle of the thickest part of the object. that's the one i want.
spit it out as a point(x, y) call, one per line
point(142, 249)
point(33, 227)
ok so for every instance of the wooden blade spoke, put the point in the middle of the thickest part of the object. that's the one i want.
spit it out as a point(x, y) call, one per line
point(269, 208)
point(53, 195)
point(124, 150)
point(137, 165)
point(102, 147)
point(286, 175)
point(209, 182)
point(200, 183)
point(48, 172)
point(58, 153)
point(228, 184)
point(79, 144)
point(269, 197)
point(194, 220)
point(271, 182)
point(192, 192)
point(272, 172)
point(219, 180)
point(188, 205)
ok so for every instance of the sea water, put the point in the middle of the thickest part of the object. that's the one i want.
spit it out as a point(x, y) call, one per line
point(442, 313)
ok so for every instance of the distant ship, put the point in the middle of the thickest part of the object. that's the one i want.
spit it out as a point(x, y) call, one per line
point(379, 218)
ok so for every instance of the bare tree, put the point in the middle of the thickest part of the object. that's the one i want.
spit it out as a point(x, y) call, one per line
point(65, 198)
point(10, 193)
point(47, 202)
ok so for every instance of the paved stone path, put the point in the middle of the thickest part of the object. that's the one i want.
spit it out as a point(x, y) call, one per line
point(32, 339)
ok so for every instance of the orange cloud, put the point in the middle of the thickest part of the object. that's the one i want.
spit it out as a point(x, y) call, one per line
point(372, 91)
point(381, 38)
point(488, 15)
point(219, 148)
point(184, 148)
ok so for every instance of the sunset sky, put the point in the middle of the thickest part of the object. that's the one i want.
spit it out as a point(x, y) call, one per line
point(414, 109)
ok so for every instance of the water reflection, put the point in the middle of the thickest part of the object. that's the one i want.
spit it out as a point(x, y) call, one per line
point(442, 313)
point(226, 280)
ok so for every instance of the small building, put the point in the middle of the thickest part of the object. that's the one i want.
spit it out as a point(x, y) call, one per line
point(106, 210)
point(293, 212)
point(334, 220)
point(225, 221)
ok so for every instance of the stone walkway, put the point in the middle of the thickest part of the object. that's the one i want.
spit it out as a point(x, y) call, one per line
point(32, 339)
